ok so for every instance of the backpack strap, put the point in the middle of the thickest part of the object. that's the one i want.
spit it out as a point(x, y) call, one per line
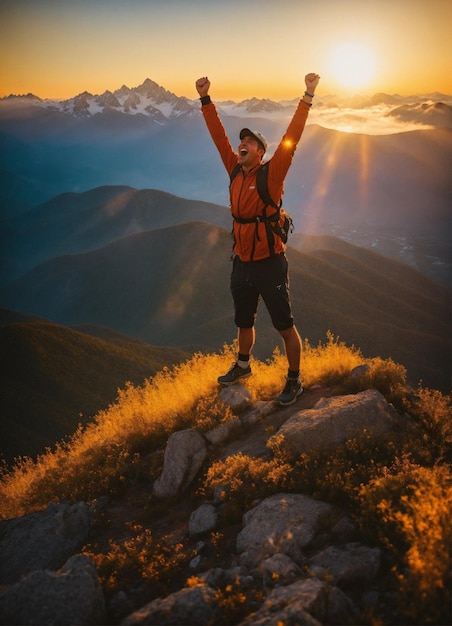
point(262, 187)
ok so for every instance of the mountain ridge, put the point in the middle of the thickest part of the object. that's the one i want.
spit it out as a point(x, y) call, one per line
point(170, 287)
point(59, 377)
point(154, 101)
point(78, 222)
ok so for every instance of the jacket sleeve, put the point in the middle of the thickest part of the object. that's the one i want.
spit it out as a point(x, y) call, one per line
point(284, 153)
point(218, 134)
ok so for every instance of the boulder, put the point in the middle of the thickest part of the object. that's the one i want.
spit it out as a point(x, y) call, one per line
point(72, 595)
point(185, 453)
point(223, 432)
point(306, 602)
point(257, 412)
point(236, 397)
point(279, 569)
point(202, 520)
point(285, 523)
point(348, 565)
point(335, 420)
point(42, 540)
point(191, 605)
point(302, 603)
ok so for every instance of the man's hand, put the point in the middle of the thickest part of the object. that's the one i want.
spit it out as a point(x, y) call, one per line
point(202, 86)
point(311, 81)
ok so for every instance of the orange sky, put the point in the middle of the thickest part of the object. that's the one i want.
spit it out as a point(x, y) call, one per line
point(263, 48)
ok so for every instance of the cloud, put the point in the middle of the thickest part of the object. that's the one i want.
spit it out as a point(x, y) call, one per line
point(373, 120)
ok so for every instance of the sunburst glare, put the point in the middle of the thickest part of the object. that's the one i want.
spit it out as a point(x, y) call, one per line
point(352, 65)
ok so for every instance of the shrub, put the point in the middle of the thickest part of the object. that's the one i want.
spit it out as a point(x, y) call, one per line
point(247, 478)
point(408, 509)
point(139, 559)
point(387, 377)
point(327, 364)
point(432, 409)
point(336, 475)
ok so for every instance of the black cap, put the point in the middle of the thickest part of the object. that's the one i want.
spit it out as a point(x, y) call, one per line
point(259, 137)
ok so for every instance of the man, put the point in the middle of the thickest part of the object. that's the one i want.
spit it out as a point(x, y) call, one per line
point(259, 262)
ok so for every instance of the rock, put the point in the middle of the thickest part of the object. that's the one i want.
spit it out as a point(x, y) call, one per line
point(279, 569)
point(72, 595)
point(344, 530)
point(221, 493)
point(223, 432)
point(307, 602)
point(185, 453)
point(217, 577)
point(340, 609)
point(42, 540)
point(359, 371)
point(236, 397)
point(195, 562)
point(303, 603)
point(257, 412)
point(202, 520)
point(283, 523)
point(194, 605)
point(347, 565)
point(336, 419)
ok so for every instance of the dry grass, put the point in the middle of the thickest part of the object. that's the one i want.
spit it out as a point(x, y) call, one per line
point(101, 457)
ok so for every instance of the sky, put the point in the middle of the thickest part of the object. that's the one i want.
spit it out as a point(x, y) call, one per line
point(262, 48)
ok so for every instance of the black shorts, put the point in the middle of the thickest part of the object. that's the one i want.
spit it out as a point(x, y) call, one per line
point(267, 279)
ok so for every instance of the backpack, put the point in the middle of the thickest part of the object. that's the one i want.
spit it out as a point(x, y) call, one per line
point(280, 223)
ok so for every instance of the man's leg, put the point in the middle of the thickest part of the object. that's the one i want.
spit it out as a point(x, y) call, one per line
point(293, 387)
point(292, 344)
point(241, 368)
point(245, 299)
point(246, 338)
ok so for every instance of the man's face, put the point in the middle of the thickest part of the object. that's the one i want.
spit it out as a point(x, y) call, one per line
point(250, 152)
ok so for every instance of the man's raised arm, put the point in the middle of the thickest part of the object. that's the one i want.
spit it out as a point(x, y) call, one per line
point(202, 86)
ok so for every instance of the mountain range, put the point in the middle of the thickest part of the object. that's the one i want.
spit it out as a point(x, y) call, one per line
point(155, 102)
point(388, 192)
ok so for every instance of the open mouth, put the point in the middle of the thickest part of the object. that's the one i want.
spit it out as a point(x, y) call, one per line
point(243, 152)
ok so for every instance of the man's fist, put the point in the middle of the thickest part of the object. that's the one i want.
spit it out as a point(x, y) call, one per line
point(202, 86)
point(311, 81)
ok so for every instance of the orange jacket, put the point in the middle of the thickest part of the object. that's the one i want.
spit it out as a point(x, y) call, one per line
point(250, 240)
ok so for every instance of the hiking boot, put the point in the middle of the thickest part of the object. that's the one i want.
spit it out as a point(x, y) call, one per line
point(235, 373)
point(290, 393)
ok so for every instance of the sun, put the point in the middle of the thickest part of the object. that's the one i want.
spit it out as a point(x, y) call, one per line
point(352, 65)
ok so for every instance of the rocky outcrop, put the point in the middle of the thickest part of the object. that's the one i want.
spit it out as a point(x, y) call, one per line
point(72, 595)
point(194, 605)
point(282, 524)
point(307, 602)
point(302, 556)
point(43, 540)
point(334, 420)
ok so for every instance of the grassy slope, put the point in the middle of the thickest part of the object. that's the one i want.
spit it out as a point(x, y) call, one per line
point(58, 377)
